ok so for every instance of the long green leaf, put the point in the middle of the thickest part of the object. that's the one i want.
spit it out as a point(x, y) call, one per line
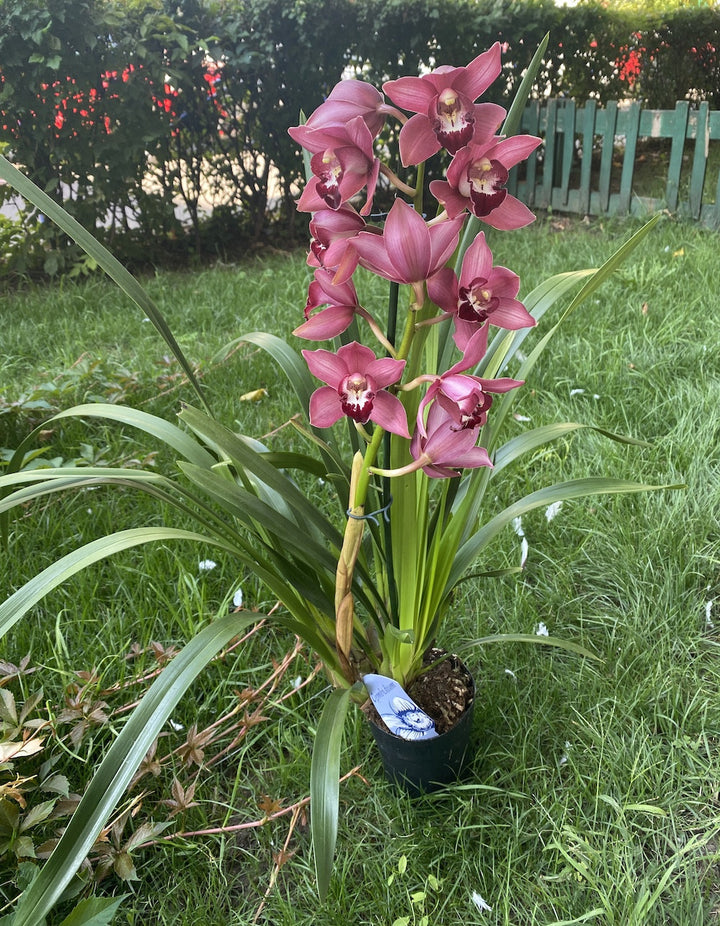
point(594, 281)
point(13, 608)
point(524, 443)
point(111, 265)
point(325, 785)
point(537, 639)
point(88, 474)
point(539, 301)
point(251, 510)
point(180, 441)
point(564, 491)
point(510, 127)
point(117, 768)
point(237, 450)
point(515, 114)
point(94, 911)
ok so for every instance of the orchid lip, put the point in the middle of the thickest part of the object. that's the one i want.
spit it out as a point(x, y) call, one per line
point(357, 393)
point(476, 302)
point(453, 121)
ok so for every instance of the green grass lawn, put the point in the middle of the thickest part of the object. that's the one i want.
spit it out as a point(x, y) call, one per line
point(592, 794)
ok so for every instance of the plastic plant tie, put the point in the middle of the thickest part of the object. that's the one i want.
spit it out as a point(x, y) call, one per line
point(371, 515)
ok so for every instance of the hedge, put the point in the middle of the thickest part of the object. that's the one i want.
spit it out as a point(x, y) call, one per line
point(123, 108)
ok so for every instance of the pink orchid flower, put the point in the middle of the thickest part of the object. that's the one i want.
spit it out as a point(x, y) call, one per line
point(357, 383)
point(331, 231)
point(483, 295)
point(409, 250)
point(476, 181)
point(347, 100)
point(465, 398)
point(446, 114)
point(442, 450)
point(343, 163)
point(342, 304)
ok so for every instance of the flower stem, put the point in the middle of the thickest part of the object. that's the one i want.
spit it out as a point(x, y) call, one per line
point(397, 182)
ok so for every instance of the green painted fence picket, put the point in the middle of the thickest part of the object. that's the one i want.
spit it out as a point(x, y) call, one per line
point(588, 161)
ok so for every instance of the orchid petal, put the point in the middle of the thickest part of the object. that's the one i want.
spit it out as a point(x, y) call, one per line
point(444, 239)
point(509, 215)
point(418, 142)
point(477, 262)
point(505, 283)
point(326, 366)
point(453, 203)
point(510, 151)
point(388, 412)
point(328, 323)
point(467, 332)
point(372, 179)
point(325, 408)
point(411, 93)
point(442, 288)
point(373, 255)
point(310, 200)
point(481, 72)
point(355, 357)
point(488, 118)
point(408, 242)
point(386, 371)
point(512, 314)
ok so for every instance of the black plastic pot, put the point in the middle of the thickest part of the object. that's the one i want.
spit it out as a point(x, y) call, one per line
point(421, 766)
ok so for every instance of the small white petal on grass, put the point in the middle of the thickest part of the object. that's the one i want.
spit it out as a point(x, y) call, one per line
point(577, 392)
point(564, 756)
point(482, 905)
point(238, 598)
point(297, 682)
point(709, 623)
point(177, 727)
point(517, 527)
point(524, 547)
point(518, 417)
point(206, 565)
point(511, 674)
point(541, 630)
point(552, 510)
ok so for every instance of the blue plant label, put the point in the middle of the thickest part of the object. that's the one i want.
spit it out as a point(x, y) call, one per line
point(400, 713)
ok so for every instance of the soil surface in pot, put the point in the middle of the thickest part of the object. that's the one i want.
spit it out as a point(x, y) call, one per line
point(444, 691)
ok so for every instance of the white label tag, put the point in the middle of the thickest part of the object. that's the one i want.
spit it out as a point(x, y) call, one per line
point(399, 712)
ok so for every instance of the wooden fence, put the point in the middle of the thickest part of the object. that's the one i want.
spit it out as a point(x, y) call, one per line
point(589, 159)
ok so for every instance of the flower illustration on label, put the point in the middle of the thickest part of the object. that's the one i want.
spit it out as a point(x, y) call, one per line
point(400, 713)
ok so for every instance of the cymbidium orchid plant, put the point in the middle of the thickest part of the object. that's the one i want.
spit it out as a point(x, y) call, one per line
point(423, 384)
